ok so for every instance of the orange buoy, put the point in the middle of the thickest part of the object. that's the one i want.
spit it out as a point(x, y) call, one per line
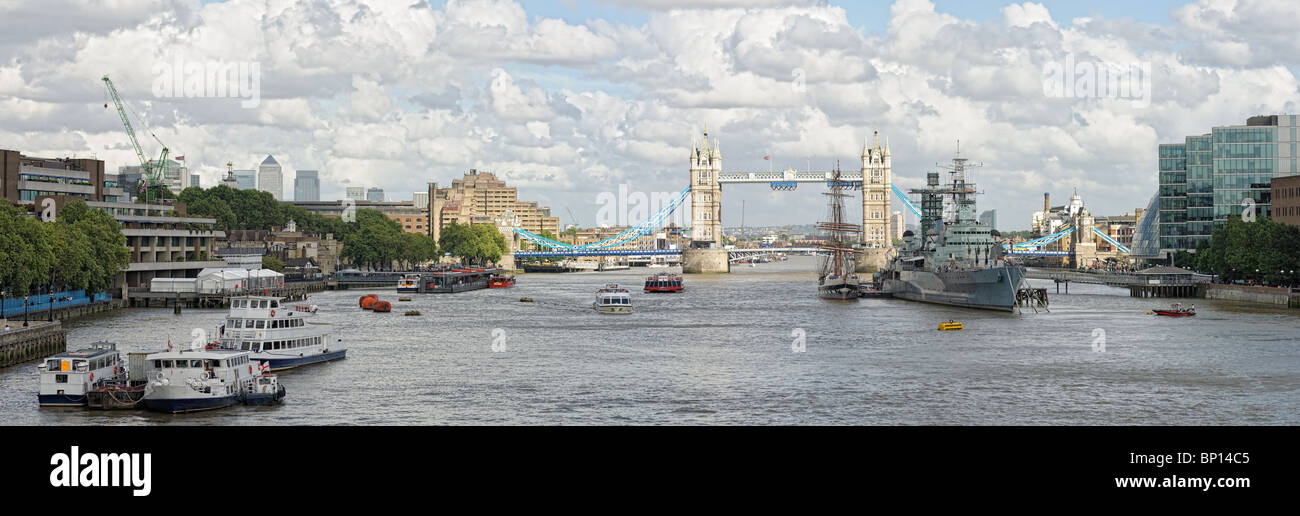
point(382, 306)
point(362, 301)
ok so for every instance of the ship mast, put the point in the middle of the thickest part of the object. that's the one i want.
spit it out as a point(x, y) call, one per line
point(839, 234)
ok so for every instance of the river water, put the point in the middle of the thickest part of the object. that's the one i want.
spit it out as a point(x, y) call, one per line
point(722, 352)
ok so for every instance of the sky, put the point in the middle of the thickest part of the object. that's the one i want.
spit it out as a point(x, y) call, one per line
point(568, 100)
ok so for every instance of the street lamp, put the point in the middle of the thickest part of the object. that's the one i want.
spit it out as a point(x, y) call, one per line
point(3, 295)
point(24, 311)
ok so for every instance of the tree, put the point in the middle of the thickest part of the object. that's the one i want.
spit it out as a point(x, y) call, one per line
point(375, 241)
point(103, 235)
point(1263, 250)
point(478, 243)
point(26, 252)
point(273, 263)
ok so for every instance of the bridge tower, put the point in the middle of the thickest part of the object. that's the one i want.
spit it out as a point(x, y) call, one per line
point(877, 164)
point(707, 253)
point(706, 194)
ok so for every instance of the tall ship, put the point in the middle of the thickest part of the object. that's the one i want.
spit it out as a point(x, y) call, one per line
point(955, 260)
point(280, 335)
point(836, 279)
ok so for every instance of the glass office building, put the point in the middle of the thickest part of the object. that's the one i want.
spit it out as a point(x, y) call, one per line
point(1205, 179)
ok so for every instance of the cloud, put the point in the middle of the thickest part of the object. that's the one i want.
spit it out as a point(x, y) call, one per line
point(396, 94)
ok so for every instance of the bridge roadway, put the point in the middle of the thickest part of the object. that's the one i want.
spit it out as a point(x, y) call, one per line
point(1074, 276)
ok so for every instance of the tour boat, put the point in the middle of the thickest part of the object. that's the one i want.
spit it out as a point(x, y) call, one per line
point(278, 334)
point(189, 380)
point(501, 281)
point(1176, 310)
point(664, 282)
point(613, 300)
point(67, 377)
point(409, 284)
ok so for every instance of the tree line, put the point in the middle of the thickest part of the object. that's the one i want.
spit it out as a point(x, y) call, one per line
point(1264, 250)
point(81, 249)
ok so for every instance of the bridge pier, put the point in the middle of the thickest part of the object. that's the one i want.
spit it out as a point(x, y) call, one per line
point(871, 259)
point(705, 261)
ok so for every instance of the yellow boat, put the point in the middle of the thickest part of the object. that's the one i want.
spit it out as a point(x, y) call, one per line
point(413, 312)
point(950, 326)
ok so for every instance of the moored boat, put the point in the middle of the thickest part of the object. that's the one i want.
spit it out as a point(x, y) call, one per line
point(194, 380)
point(501, 281)
point(67, 377)
point(409, 284)
point(265, 389)
point(278, 334)
point(613, 300)
point(836, 279)
point(953, 259)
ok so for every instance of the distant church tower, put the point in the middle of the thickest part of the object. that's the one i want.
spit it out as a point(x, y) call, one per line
point(876, 166)
point(706, 194)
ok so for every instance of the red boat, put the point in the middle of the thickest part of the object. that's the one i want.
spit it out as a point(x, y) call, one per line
point(1176, 311)
point(664, 282)
point(501, 281)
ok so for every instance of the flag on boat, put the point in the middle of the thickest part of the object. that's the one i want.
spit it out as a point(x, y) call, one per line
point(767, 157)
point(180, 158)
point(262, 367)
point(169, 343)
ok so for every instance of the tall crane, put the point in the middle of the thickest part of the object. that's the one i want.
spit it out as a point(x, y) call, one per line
point(152, 170)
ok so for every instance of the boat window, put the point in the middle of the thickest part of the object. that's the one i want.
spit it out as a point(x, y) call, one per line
point(275, 304)
point(236, 323)
point(196, 363)
point(52, 365)
point(260, 324)
point(157, 364)
point(244, 346)
point(167, 364)
point(182, 363)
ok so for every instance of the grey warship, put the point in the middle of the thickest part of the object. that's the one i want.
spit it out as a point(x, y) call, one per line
point(955, 260)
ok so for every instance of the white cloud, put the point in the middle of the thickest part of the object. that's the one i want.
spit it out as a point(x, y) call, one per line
point(395, 94)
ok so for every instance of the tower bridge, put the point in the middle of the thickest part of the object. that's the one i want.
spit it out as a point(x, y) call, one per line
point(706, 252)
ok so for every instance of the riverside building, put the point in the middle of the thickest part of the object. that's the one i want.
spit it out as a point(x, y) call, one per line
point(1205, 179)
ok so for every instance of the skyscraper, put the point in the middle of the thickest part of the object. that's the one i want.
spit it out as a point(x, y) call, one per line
point(306, 186)
point(375, 194)
point(421, 200)
point(1207, 178)
point(356, 193)
point(247, 179)
point(194, 180)
point(270, 178)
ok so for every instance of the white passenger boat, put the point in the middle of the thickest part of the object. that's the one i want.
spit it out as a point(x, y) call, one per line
point(194, 380)
point(613, 300)
point(67, 377)
point(409, 284)
point(278, 334)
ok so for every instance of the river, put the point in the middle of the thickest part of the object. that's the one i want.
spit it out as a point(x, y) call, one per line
point(722, 352)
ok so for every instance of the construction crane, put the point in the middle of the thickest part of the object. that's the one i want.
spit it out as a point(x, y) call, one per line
point(152, 170)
